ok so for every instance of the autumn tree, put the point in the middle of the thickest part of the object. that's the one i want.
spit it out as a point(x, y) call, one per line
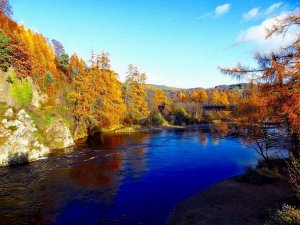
point(40, 51)
point(20, 58)
point(218, 98)
point(97, 96)
point(182, 96)
point(134, 94)
point(159, 98)
point(198, 98)
point(278, 81)
point(109, 104)
point(201, 96)
point(75, 66)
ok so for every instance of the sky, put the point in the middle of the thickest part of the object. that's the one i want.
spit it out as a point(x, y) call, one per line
point(179, 43)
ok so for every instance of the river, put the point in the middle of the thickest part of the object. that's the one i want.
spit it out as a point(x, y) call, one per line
point(127, 179)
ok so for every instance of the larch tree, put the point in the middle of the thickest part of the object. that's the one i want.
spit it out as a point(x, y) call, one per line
point(199, 97)
point(215, 97)
point(21, 60)
point(110, 107)
point(134, 94)
point(182, 96)
point(159, 98)
point(278, 79)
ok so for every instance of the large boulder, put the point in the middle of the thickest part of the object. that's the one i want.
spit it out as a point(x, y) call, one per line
point(20, 140)
point(58, 135)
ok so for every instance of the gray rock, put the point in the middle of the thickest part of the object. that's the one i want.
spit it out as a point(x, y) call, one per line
point(58, 135)
point(20, 145)
point(9, 113)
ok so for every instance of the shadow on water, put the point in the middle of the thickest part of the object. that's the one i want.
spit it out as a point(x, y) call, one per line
point(118, 179)
point(18, 159)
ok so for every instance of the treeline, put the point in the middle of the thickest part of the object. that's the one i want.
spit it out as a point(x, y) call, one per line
point(89, 94)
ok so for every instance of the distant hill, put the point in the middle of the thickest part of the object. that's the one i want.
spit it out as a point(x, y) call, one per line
point(172, 92)
point(232, 86)
point(229, 87)
point(164, 87)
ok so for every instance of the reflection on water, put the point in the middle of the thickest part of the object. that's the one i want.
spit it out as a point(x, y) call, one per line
point(203, 137)
point(119, 179)
point(215, 139)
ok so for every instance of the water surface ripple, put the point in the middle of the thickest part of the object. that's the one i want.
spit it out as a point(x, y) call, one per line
point(119, 179)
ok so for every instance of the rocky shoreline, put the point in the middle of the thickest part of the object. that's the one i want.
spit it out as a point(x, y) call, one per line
point(21, 141)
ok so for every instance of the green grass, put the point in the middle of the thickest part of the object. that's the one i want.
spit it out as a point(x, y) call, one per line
point(39, 136)
point(3, 108)
point(48, 118)
point(13, 128)
point(21, 91)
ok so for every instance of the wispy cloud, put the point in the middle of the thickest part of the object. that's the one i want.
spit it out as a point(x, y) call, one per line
point(257, 36)
point(251, 14)
point(256, 13)
point(219, 10)
point(272, 8)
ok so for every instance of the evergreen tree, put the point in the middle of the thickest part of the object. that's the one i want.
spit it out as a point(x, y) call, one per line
point(5, 51)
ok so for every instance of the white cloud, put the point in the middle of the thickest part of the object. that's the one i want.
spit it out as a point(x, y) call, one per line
point(219, 10)
point(253, 13)
point(257, 35)
point(272, 8)
point(222, 9)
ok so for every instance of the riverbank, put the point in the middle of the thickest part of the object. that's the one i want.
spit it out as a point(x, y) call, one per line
point(153, 129)
point(231, 202)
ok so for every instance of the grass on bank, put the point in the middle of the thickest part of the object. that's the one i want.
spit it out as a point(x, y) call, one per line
point(20, 90)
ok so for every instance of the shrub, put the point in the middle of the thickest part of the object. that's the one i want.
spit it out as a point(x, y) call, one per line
point(42, 118)
point(158, 120)
point(49, 79)
point(21, 91)
point(259, 176)
point(294, 174)
point(181, 117)
point(39, 136)
point(12, 128)
point(3, 108)
point(128, 121)
point(288, 215)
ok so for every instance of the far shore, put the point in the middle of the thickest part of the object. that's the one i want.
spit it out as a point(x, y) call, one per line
point(232, 202)
point(153, 129)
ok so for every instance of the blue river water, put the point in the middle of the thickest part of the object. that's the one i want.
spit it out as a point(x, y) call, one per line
point(120, 178)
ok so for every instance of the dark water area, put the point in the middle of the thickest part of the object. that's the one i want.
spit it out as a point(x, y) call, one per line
point(120, 179)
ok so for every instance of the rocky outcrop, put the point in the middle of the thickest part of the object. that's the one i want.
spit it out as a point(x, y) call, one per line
point(20, 140)
point(38, 97)
point(58, 135)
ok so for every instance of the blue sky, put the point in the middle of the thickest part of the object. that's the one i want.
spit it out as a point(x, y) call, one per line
point(176, 42)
